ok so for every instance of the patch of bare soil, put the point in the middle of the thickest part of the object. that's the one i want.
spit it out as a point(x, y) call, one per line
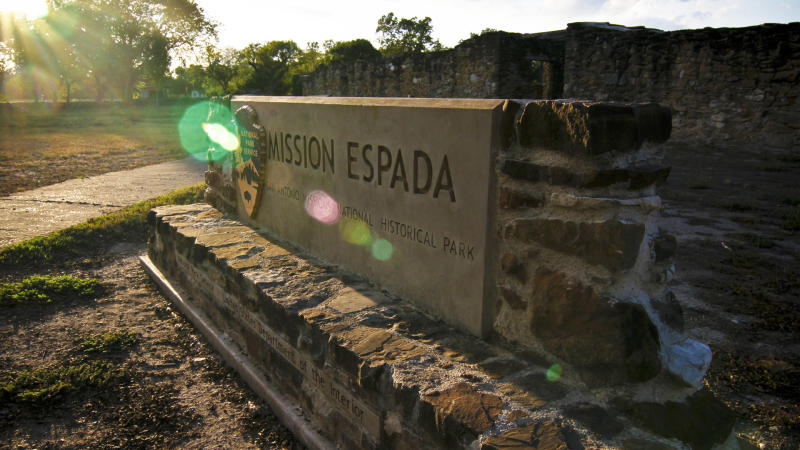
point(51, 169)
point(42, 145)
point(166, 390)
point(737, 221)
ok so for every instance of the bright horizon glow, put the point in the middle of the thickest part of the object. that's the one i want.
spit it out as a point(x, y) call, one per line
point(32, 9)
point(242, 22)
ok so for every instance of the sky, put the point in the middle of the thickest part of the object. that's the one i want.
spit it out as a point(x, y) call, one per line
point(242, 22)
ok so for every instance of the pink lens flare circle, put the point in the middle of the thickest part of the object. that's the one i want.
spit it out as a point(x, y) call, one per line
point(323, 207)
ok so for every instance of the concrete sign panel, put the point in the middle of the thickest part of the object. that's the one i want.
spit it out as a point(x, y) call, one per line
point(398, 190)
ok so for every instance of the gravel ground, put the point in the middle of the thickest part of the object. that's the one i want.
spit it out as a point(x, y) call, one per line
point(167, 390)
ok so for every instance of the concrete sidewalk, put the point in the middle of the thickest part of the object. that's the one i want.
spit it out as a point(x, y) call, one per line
point(40, 211)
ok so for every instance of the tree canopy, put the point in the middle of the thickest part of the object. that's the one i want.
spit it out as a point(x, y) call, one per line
point(117, 44)
point(113, 48)
point(403, 36)
point(349, 51)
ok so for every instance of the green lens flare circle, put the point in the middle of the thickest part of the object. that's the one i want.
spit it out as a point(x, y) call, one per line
point(382, 249)
point(207, 130)
point(553, 372)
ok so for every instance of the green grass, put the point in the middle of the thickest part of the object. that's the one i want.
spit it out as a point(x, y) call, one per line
point(108, 342)
point(46, 384)
point(126, 225)
point(46, 289)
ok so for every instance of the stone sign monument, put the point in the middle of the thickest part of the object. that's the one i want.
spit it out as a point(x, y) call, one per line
point(400, 190)
point(355, 251)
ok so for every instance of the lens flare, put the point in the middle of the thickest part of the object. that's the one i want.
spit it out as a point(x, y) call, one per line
point(201, 131)
point(382, 250)
point(220, 135)
point(355, 232)
point(323, 207)
point(553, 372)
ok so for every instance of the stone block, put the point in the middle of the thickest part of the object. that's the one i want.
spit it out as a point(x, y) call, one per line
point(609, 342)
point(213, 178)
point(613, 244)
point(592, 128)
point(664, 247)
point(351, 300)
point(463, 404)
point(700, 420)
point(595, 418)
point(688, 361)
point(513, 266)
point(544, 434)
point(513, 300)
point(535, 173)
point(669, 310)
point(510, 111)
point(636, 178)
point(654, 122)
point(511, 198)
point(219, 239)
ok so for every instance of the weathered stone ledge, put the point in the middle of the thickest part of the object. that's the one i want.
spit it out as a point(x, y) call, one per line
point(373, 371)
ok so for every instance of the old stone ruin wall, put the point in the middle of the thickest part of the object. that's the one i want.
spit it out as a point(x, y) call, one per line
point(495, 65)
point(730, 87)
point(727, 86)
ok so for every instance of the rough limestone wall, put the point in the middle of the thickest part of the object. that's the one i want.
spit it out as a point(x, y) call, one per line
point(471, 70)
point(726, 86)
point(463, 72)
point(583, 264)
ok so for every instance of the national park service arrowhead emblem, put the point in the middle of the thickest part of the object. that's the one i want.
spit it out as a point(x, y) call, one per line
point(248, 172)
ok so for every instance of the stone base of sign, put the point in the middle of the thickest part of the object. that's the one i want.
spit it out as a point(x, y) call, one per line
point(574, 262)
point(371, 370)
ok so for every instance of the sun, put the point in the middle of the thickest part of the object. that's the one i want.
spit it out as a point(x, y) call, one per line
point(32, 9)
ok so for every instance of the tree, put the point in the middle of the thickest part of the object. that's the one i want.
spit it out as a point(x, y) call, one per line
point(128, 42)
point(268, 67)
point(350, 51)
point(188, 79)
point(6, 65)
point(221, 69)
point(6, 47)
point(403, 36)
point(311, 58)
